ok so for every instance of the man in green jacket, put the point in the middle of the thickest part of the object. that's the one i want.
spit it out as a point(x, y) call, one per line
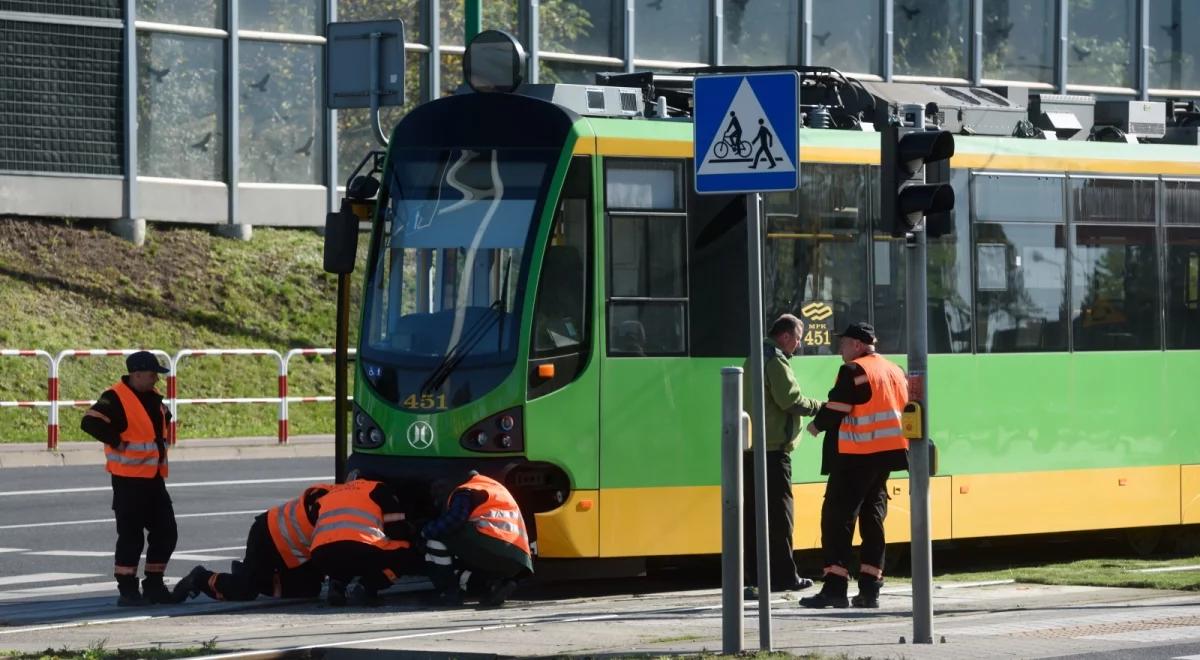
point(784, 404)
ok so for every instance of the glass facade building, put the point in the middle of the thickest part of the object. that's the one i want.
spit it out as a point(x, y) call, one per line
point(227, 95)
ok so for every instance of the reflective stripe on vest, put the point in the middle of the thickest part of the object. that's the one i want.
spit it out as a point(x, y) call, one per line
point(499, 516)
point(139, 456)
point(291, 532)
point(875, 426)
point(347, 513)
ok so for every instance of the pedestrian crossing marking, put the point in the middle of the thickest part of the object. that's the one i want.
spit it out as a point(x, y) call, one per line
point(758, 132)
point(43, 577)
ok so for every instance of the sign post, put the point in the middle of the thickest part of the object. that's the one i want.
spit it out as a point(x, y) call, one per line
point(746, 140)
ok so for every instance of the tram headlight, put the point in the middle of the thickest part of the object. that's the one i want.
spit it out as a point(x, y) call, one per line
point(367, 434)
point(502, 431)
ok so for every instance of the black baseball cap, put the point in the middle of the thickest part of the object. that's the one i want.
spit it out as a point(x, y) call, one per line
point(862, 331)
point(144, 361)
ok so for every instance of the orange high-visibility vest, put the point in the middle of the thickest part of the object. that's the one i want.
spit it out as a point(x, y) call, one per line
point(498, 516)
point(291, 530)
point(874, 426)
point(347, 513)
point(138, 456)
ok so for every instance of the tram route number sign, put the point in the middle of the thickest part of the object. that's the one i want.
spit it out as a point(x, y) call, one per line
point(746, 132)
point(818, 324)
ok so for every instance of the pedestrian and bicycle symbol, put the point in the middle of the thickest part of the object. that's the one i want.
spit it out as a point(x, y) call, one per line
point(746, 132)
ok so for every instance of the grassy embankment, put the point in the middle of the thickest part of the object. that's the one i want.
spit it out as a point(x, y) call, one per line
point(72, 285)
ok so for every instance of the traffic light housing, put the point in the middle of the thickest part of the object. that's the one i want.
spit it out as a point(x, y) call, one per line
point(907, 156)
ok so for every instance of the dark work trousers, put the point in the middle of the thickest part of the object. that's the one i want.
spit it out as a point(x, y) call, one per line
point(262, 571)
point(376, 568)
point(142, 506)
point(854, 494)
point(487, 559)
point(780, 519)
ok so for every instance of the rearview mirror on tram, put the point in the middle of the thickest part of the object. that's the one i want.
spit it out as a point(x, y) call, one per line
point(494, 62)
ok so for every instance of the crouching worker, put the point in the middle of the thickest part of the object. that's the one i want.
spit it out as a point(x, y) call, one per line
point(276, 562)
point(362, 541)
point(478, 545)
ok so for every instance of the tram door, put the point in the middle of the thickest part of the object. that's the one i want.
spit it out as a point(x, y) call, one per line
point(562, 417)
point(646, 405)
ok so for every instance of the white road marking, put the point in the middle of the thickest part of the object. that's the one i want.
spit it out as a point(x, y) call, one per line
point(72, 553)
point(60, 590)
point(190, 484)
point(194, 555)
point(44, 577)
point(110, 520)
point(76, 624)
point(1186, 657)
point(3, 550)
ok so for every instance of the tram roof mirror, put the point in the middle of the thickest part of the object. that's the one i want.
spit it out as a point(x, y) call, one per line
point(494, 62)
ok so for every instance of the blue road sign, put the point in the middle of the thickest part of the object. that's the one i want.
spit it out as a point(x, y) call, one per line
point(746, 129)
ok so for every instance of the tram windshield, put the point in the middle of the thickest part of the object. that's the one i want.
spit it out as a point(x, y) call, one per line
point(443, 303)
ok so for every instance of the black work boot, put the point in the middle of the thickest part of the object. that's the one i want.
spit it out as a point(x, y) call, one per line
point(127, 585)
point(498, 592)
point(359, 593)
point(154, 591)
point(190, 585)
point(336, 597)
point(832, 594)
point(868, 592)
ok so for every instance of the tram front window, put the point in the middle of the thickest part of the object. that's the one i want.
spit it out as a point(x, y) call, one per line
point(444, 287)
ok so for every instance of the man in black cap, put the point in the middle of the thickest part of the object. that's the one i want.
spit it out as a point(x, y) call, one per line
point(864, 443)
point(131, 420)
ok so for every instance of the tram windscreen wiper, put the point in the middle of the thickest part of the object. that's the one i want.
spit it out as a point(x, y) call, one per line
point(459, 350)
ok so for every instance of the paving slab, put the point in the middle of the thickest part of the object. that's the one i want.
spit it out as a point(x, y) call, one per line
point(980, 621)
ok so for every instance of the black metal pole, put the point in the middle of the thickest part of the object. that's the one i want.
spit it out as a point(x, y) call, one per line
point(341, 359)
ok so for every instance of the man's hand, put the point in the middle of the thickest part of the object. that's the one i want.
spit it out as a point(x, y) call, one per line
point(812, 429)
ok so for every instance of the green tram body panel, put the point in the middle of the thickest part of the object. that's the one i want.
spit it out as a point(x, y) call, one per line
point(651, 422)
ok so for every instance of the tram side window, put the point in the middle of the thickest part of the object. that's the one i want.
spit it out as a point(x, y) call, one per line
point(560, 323)
point(1114, 267)
point(1182, 207)
point(1021, 261)
point(815, 258)
point(647, 269)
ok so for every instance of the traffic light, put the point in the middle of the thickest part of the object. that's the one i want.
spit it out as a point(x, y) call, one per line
point(907, 155)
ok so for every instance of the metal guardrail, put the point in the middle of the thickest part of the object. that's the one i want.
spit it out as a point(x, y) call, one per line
point(172, 399)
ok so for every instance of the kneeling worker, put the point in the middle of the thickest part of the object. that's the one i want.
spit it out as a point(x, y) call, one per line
point(478, 543)
point(276, 562)
point(362, 540)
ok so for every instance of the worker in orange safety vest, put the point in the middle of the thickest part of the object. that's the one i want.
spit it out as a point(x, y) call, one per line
point(478, 545)
point(131, 420)
point(363, 541)
point(864, 443)
point(276, 561)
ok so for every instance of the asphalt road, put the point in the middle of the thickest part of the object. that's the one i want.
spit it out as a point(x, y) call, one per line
point(57, 529)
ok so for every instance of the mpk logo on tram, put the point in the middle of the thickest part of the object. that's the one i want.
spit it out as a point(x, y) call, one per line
point(420, 435)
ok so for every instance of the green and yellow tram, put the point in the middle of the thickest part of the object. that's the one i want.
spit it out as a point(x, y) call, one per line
point(547, 300)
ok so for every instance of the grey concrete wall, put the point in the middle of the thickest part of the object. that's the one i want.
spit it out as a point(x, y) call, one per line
point(61, 196)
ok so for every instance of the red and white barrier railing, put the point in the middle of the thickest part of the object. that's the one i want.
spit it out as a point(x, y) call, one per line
point(56, 403)
point(173, 376)
point(51, 390)
point(286, 400)
point(172, 400)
